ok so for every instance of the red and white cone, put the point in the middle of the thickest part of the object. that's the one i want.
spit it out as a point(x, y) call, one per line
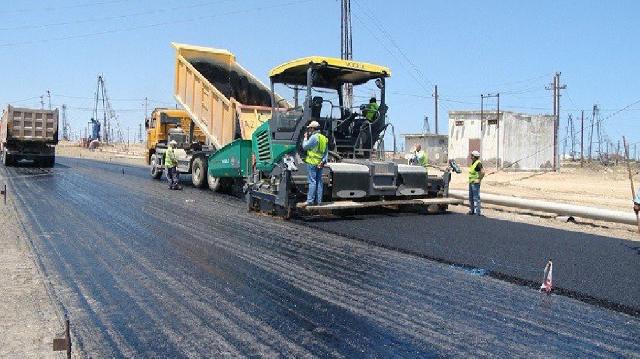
point(547, 281)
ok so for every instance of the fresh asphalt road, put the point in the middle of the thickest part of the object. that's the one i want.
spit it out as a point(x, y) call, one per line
point(145, 272)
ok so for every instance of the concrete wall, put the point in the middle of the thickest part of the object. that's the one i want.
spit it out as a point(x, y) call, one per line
point(435, 145)
point(526, 141)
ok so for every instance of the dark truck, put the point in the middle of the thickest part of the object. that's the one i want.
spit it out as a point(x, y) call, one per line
point(28, 135)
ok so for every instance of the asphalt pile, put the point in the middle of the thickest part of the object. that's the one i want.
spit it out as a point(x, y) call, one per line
point(232, 84)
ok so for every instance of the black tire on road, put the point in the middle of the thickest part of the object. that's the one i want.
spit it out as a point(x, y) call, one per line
point(156, 171)
point(215, 183)
point(199, 175)
point(7, 159)
point(48, 162)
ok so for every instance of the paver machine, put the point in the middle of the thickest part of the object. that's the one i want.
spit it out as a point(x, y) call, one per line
point(356, 176)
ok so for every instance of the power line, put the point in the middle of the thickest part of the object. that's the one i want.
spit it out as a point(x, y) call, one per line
point(115, 17)
point(140, 27)
point(51, 8)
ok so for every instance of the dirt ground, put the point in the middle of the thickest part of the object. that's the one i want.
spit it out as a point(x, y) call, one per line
point(592, 185)
point(118, 153)
point(28, 320)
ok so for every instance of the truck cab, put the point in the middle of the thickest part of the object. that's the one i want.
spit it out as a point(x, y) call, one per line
point(191, 151)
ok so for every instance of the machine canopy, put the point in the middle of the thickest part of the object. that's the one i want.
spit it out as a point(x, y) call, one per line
point(330, 72)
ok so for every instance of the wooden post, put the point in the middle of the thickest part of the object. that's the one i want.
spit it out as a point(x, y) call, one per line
point(633, 190)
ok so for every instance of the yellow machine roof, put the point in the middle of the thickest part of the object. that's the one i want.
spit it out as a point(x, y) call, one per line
point(332, 73)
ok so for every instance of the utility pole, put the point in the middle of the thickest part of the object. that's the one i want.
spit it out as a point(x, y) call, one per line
point(346, 48)
point(296, 91)
point(435, 110)
point(49, 98)
point(65, 124)
point(573, 143)
point(593, 119)
point(140, 132)
point(582, 140)
point(618, 153)
point(498, 133)
point(42, 102)
point(566, 138)
point(558, 88)
point(146, 104)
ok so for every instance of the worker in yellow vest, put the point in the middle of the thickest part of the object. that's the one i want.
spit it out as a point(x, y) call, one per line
point(421, 157)
point(371, 110)
point(476, 173)
point(171, 164)
point(316, 146)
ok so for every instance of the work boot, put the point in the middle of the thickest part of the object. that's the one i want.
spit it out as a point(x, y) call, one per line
point(470, 213)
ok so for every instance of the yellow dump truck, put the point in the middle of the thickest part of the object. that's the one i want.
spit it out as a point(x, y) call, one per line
point(165, 125)
point(220, 101)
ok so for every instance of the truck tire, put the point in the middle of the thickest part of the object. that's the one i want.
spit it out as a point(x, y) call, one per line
point(49, 162)
point(215, 183)
point(156, 171)
point(199, 175)
point(7, 159)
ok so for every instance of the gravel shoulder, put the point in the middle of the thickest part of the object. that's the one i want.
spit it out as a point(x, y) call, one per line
point(28, 320)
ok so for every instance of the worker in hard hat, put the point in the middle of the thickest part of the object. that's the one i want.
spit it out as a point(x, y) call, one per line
point(421, 157)
point(476, 173)
point(636, 202)
point(171, 163)
point(316, 146)
point(369, 111)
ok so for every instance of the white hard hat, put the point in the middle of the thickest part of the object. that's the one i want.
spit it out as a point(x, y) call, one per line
point(313, 124)
point(173, 142)
point(475, 153)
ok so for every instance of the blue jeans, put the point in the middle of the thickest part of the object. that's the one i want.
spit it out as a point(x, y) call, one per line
point(474, 198)
point(314, 177)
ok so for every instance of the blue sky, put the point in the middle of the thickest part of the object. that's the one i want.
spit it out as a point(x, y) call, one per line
point(465, 47)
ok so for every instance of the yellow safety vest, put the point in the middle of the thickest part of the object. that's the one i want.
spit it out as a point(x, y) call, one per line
point(314, 155)
point(423, 158)
point(473, 174)
point(170, 158)
point(372, 108)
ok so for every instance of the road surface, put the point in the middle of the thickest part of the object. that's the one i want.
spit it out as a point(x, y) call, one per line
point(142, 271)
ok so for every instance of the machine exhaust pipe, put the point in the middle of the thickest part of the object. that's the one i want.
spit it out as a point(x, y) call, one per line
point(557, 208)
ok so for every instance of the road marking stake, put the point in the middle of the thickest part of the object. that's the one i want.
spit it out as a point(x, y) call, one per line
point(4, 193)
point(547, 280)
point(61, 344)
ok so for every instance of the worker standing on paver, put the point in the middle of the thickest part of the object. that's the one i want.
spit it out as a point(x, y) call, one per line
point(371, 109)
point(316, 146)
point(476, 173)
point(421, 157)
point(171, 163)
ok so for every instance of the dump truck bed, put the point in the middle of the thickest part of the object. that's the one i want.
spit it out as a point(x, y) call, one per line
point(29, 125)
point(224, 100)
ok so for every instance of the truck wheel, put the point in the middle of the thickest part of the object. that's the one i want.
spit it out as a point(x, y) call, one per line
point(199, 175)
point(215, 183)
point(156, 171)
point(7, 159)
point(49, 162)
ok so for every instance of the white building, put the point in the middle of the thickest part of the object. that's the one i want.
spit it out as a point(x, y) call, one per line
point(526, 142)
point(435, 145)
